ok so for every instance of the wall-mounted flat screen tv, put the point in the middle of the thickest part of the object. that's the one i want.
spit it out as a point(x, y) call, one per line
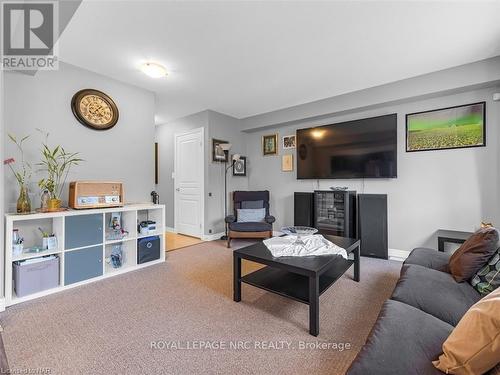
point(364, 148)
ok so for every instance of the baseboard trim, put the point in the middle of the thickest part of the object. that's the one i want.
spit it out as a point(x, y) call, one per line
point(170, 230)
point(399, 255)
point(212, 237)
point(2, 304)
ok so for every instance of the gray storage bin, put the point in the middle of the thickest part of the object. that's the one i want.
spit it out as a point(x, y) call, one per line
point(35, 277)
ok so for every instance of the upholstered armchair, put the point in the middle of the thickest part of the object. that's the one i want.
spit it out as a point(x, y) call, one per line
point(251, 218)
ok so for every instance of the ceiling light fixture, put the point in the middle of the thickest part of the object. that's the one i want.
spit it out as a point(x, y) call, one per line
point(154, 70)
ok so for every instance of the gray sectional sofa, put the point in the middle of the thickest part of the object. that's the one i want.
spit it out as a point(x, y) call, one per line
point(424, 308)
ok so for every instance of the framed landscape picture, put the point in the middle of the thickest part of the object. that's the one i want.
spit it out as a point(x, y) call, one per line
point(454, 127)
point(270, 144)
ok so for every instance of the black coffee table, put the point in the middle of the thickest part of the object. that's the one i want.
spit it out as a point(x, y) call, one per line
point(302, 279)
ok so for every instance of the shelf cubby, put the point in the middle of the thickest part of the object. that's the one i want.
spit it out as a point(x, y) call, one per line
point(153, 214)
point(128, 224)
point(129, 256)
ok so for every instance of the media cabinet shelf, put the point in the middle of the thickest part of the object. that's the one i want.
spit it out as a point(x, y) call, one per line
point(81, 240)
point(293, 285)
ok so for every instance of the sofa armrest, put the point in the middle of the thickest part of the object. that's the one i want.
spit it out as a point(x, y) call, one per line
point(270, 219)
point(230, 219)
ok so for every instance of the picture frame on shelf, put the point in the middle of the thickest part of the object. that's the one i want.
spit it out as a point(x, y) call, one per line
point(287, 163)
point(461, 126)
point(270, 144)
point(288, 142)
point(218, 154)
point(240, 167)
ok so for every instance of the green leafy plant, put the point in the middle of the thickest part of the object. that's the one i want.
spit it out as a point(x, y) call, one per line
point(57, 162)
point(23, 173)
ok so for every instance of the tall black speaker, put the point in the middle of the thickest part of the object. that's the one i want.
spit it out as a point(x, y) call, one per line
point(303, 209)
point(372, 225)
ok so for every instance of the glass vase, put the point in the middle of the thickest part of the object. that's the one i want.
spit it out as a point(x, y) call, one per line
point(23, 202)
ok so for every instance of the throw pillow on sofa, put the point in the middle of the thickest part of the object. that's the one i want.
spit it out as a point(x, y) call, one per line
point(487, 279)
point(473, 347)
point(473, 254)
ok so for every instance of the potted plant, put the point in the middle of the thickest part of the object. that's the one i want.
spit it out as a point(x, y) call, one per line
point(22, 175)
point(57, 162)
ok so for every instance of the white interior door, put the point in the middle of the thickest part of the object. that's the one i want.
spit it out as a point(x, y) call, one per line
point(188, 183)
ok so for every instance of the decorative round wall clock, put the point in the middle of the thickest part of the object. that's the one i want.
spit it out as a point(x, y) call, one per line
point(94, 109)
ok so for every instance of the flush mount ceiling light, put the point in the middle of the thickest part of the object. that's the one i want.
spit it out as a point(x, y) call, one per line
point(154, 70)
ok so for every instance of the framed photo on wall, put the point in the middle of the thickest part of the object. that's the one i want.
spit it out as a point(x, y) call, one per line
point(218, 154)
point(270, 144)
point(288, 142)
point(287, 163)
point(240, 167)
point(447, 128)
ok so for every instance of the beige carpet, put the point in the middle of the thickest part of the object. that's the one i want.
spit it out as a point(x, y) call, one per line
point(107, 327)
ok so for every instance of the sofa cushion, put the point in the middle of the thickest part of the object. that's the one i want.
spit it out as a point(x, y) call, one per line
point(435, 292)
point(404, 340)
point(473, 254)
point(474, 345)
point(251, 227)
point(428, 258)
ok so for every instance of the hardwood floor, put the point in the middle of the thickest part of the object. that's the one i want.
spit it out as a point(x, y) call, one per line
point(178, 241)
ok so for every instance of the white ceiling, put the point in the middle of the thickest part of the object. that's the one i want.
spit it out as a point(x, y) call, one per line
point(246, 58)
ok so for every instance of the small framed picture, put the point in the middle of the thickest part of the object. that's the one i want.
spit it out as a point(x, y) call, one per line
point(218, 154)
point(240, 167)
point(270, 144)
point(288, 142)
point(287, 163)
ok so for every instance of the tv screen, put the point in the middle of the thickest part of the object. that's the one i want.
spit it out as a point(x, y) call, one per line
point(364, 148)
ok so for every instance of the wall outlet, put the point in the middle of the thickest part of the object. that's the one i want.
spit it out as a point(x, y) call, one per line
point(496, 96)
point(209, 194)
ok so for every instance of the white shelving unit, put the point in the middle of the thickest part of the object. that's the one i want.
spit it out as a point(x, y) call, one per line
point(57, 223)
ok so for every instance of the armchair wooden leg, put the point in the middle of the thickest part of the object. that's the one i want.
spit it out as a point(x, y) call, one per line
point(228, 241)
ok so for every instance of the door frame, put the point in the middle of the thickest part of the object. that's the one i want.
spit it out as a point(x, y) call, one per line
point(201, 131)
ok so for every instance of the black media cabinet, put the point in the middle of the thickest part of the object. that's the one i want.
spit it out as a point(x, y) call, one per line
point(335, 212)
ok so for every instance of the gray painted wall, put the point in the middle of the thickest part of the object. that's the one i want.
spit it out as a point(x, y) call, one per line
point(225, 128)
point(452, 189)
point(123, 153)
point(216, 125)
point(480, 74)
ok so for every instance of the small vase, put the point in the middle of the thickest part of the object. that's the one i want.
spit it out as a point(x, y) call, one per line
point(23, 202)
point(54, 204)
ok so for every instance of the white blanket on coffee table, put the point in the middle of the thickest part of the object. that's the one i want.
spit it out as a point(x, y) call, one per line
point(313, 245)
